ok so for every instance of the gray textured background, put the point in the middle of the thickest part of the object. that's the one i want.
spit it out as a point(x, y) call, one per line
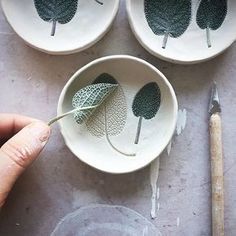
point(59, 183)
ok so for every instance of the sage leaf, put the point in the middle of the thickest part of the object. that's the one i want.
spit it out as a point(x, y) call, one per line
point(86, 100)
point(146, 104)
point(91, 95)
point(210, 16)
point(170, 18)
point(109, 119)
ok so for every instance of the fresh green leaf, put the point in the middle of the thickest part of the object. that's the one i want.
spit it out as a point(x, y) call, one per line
point(110, 118)
point(170, 18)
point(210, 15)
point(91, 95)
point(146, 104)
point(86, 100)
point(55, 119)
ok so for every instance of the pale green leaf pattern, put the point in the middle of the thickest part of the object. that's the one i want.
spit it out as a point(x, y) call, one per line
point(109, 119)
point(91, 95)
point(116, 111)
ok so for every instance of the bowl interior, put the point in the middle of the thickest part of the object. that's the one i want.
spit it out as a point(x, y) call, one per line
point(191, 46)
point(131, 74)
point(89, 23)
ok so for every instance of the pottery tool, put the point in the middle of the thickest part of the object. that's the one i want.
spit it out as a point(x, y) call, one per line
point(217, 179)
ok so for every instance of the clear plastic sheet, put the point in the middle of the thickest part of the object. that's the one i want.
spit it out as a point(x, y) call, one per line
point(105, 220)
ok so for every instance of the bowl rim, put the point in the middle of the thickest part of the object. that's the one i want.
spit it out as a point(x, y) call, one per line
point(72, 50)
point(115, 57)
point(166, 58)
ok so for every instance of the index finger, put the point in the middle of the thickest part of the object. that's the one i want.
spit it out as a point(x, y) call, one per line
point(10, 124)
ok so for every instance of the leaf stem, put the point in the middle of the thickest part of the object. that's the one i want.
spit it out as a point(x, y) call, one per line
point(109, 141)
point(54, 22)
point(208, 37)
point(101, 3)
point(138, 130)
point(165, 40)
point(69, 113)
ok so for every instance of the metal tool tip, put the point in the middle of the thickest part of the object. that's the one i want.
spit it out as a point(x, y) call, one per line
point(214, 106)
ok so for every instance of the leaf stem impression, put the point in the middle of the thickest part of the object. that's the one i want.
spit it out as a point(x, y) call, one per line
point(208, 37)
point(138, 130)
point(70, 112)
point(54, 23)
point(166, 35)
point(109, 141)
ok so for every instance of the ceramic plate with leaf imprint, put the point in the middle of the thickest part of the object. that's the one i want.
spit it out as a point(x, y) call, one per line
point(60, 26)
point(106, 140)
point(61, 11)
point(184, 31)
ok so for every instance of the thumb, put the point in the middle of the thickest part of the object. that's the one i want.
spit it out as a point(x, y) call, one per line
point(19, 152)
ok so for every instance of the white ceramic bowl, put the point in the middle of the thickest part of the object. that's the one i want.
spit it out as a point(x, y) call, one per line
point(190, 47)
point(132, 74)
point(89, 24)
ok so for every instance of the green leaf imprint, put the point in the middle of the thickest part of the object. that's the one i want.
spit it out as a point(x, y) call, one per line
point(109, 119)
point(91, 96)
point(170, 18)
point(146, 104)
point(54, 11)
point(210, 16)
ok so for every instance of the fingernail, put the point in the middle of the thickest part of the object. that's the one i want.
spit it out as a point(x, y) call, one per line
point(40, 130)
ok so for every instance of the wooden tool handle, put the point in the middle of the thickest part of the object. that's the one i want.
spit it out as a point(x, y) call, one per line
point(217, 179)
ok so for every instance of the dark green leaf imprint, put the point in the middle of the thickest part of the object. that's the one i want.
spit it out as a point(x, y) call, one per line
point(54, 11)
point(170, 18)
point(210, 16)
point(110, 118)
point(86, 100)
point(146, 104)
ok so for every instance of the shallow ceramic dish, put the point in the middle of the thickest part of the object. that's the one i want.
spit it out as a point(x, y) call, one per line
point(89, 142)
point(191, 46)
point(82, 26)
point(104, 220)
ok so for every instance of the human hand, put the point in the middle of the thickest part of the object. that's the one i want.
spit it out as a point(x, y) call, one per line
point(21, 140)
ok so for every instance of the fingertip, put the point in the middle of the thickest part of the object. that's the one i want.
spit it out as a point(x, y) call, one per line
point(40, 130)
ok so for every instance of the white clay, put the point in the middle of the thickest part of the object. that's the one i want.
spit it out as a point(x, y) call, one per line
point(181, 121)
point(84, 30)
point(191, 47)
point(97, 152)
point(154, 173)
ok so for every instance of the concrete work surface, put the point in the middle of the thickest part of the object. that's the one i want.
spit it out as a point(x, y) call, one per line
point(58, 183)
